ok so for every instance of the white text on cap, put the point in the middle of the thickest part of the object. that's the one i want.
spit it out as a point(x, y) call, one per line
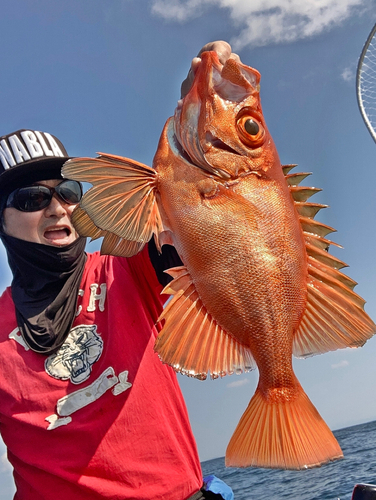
point(34, 145)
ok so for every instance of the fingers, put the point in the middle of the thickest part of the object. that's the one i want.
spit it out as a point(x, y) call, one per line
point(235, 57)
point(187, 83)
point(222, 48)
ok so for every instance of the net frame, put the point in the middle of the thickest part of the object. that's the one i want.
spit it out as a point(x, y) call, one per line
point(364, 74)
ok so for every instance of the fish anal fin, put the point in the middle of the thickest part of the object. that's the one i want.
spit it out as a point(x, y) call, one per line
point(285, 434)
point(191, 341)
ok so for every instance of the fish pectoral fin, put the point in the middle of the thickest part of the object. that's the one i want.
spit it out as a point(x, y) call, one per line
point(191, 341)
point(122, 200)
point(112, 244)
point(84, 225)
point(284, 433)
point(334, 316)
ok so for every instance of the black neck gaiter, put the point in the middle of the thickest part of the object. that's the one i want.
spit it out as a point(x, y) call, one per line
point(46, 281)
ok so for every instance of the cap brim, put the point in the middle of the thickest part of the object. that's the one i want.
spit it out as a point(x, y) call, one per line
point(23, 175)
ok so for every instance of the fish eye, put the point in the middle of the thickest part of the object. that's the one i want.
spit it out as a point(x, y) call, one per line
point(251, 126)
point(250, 129)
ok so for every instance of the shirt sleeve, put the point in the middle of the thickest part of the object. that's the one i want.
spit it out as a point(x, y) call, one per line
point(161, 261)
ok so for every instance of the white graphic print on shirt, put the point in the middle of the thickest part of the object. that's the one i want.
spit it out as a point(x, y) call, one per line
point(74, 361)
point(83, 397)
point(16, 335)
point(75, 358)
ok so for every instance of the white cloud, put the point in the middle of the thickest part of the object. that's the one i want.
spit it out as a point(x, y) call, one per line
point(178, 10)
point(348, 74)
point(341, 364)
point(262, 22)
point(238, 383)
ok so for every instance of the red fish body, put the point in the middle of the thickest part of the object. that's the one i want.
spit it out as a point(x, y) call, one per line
point(258, 283)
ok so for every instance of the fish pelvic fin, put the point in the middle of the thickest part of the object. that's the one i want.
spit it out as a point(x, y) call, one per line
point(191, 341)
point(122, 202)
point(287, 433)
point(334, 317)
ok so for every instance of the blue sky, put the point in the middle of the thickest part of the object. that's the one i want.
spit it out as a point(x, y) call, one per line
point(105, 76)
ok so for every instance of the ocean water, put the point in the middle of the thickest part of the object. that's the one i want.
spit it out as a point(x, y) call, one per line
point(332, 481)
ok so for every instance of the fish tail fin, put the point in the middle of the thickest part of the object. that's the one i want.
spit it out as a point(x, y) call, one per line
point(287, 433)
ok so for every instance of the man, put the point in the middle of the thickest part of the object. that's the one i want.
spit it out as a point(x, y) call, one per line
point(87, 410)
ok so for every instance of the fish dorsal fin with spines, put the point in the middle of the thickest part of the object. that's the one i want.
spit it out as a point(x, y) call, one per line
point(121, 202)
point(191, 341)
point(334, 316)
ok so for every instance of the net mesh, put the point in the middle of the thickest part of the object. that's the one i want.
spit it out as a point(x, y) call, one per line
point(366, 83)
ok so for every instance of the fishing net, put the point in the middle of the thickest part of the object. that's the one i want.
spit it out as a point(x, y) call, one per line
point(366, 83)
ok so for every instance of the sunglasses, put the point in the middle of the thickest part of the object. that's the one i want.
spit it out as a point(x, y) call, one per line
point(38, 197)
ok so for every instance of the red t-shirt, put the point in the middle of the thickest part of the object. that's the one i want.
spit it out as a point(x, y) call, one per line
point(102, 418)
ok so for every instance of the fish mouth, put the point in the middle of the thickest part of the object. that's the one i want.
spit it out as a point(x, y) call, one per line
point(199, 135)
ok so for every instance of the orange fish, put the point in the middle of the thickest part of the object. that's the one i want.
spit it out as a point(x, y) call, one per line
point(258, 284)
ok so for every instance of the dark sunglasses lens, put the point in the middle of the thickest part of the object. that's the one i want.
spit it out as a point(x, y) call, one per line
point(70, 191)
point(33, 198)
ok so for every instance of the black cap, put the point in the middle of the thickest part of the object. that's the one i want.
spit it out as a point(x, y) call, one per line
point(28, 156)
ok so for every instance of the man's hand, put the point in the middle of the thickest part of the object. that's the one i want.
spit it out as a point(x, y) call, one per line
point(223, 49)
